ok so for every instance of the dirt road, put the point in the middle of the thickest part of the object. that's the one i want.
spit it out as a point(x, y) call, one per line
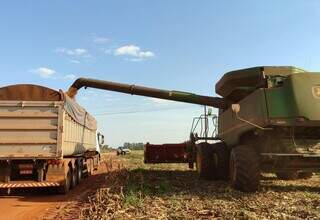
point(45, 204)
point(26, 206)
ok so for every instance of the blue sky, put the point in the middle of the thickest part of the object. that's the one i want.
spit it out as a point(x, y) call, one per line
point(182, 45)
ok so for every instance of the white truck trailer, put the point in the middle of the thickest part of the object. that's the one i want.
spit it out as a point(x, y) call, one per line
point(46, 139)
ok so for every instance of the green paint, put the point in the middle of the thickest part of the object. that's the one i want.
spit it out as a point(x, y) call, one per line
point(295, 98)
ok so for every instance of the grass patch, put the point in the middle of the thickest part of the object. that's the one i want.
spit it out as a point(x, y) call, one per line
point(137, 188)
point(141, 185)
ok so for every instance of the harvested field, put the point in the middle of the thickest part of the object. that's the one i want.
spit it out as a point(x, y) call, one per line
point(133, 190)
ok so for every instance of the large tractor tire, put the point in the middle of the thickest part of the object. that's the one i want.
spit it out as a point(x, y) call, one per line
point(204, 161)
point(305, 175)
point(292, 175)
point(221, 161)
point(244, 169)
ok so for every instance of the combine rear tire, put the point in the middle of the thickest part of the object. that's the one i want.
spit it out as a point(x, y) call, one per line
point(287, 175)
point(244, 169)
point(204, 161)
point(221, 161)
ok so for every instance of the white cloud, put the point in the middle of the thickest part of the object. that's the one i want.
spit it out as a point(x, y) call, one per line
point(100, 40)
point(133, 51)
point(75, 61)
point(73, 52)
point(44, 72)
point(160, 101)
point(70, 76)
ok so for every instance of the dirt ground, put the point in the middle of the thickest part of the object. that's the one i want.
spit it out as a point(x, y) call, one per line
point(46, 204)
point(125, 188)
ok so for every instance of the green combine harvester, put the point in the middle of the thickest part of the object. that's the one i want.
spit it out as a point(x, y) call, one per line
point(269, 121)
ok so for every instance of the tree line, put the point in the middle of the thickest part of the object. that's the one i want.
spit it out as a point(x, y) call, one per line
point(133, 146)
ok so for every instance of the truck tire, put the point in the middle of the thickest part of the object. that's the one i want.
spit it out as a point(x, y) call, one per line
point(79, 173)
point(305, 175)
point(293, 175)
point(3, 192)
point(40, 175)
point(244, 169)
point(90, 166)
point(74, 176)
point(204, 161)
point(221, 161)
point(65, 187)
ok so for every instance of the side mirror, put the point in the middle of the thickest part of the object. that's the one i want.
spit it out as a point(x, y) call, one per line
point(100, 139)
point(235, 108)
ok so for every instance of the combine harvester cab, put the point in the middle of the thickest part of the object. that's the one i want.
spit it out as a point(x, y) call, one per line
point(46, 139)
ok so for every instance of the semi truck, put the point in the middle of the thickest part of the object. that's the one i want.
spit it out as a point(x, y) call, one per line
point(46, 139)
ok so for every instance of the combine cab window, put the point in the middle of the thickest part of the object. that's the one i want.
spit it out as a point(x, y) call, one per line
point(276, 81)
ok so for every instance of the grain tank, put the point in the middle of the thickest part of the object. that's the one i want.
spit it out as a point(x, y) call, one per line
point(46, 139)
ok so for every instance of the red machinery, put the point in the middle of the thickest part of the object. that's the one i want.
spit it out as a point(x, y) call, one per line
point(166, 153)
point(183, 152)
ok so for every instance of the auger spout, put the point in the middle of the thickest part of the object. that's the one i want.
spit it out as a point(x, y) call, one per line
point(146, 91)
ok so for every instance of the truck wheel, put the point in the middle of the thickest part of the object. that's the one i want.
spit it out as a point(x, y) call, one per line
point(65, 187)
point(287, 175)
point(305, 175)
point(204, 161)
point(74, 176)
point(40, 175)
point(244, 169)
point(90, 166)
point(79, 177)
point(3, 192)
point(221, 161)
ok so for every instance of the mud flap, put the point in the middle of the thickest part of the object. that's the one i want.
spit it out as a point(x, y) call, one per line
point(5, 172)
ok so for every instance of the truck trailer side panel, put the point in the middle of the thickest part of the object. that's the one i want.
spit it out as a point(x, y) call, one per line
point(76, 137)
